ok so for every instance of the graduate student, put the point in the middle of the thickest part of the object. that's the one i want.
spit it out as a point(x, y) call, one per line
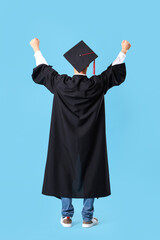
point(77, 162)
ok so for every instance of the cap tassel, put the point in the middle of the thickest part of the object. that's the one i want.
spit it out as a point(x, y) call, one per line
point(94, 67)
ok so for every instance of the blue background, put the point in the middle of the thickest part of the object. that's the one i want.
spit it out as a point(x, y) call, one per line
point(132, 116)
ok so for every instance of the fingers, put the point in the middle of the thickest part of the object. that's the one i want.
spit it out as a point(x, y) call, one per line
point(126, 44)
point(34, 40)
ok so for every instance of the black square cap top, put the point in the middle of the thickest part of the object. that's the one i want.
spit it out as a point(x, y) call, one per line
point(80, 55)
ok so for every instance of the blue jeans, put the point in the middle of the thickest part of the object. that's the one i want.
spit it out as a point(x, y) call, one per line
point(87, 211)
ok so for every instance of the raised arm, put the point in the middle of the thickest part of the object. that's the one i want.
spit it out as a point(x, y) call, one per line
point(122, 54)
point(37, 53)
point(115, 74)
point(43, 73)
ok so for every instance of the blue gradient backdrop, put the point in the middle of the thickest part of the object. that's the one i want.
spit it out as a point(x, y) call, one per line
point(132, 116)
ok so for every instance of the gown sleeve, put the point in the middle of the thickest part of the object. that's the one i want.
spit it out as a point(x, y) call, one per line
point(112, 76)
point(45, 75)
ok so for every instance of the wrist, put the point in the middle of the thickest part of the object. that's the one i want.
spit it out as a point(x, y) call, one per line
point(36, 49)
point(124, 51)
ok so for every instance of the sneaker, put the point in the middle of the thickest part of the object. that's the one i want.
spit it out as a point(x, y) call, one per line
point(91, 223)
point(66, 221)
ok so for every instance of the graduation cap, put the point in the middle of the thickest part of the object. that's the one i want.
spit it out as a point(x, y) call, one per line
point(80, 56)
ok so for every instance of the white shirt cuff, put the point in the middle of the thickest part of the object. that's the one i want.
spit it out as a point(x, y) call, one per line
point(39, 58)
point(120, 58)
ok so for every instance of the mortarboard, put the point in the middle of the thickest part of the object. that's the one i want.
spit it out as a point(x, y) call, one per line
point(80, 55)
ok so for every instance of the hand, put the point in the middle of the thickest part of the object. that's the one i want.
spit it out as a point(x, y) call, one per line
point(35, 44)
point(125, 46)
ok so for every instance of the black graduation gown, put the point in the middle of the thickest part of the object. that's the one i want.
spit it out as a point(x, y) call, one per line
point(77, 163)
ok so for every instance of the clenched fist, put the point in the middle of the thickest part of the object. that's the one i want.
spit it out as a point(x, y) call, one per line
point(125, 46)
point(35, 44)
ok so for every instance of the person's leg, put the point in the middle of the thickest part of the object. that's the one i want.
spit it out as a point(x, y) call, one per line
point(88, 209)
point(67, 207)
